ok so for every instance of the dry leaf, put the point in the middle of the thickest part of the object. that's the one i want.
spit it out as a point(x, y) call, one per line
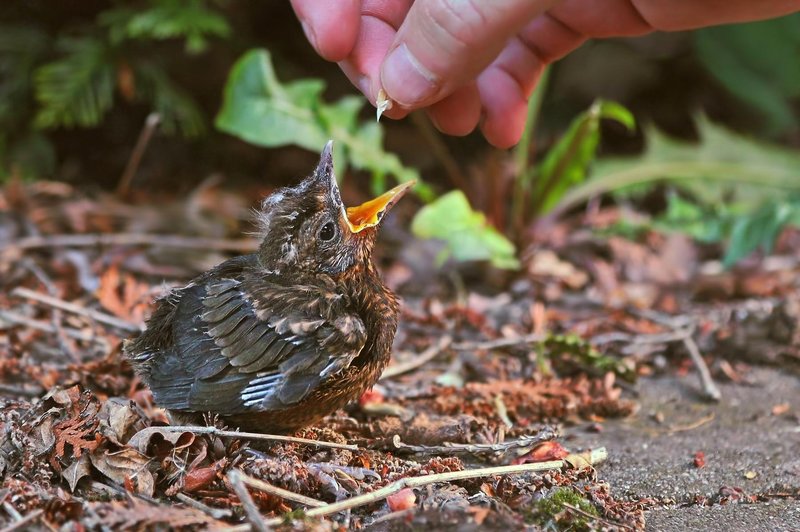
point(544, 452)
point(124, 466)
point(142, 440)
point(77, 470)
point(699, 459)
point(402, 500)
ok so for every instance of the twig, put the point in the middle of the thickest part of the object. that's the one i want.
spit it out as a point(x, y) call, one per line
point(280, 492)
point(391, 516)
point(709, 387)
point(658, 338)
point(96, 315)
point(8, 389)
point(132, 239)
point(594, 457)
point(11, 511)
point(18, 319)
point(423, 358)
point(150, 125)
point(250, 508)
point(24, 522)
point(522, 443)
point(691, 426)
point(214, 513)
point(247, 436)
point(612, 526)
point(501, 342)
point(55, 314)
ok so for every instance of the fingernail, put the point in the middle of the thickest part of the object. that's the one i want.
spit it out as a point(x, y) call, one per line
point(307, 29)
point(404, 79)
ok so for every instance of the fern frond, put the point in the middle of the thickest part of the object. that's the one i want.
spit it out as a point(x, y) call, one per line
point(178, 111)
point(77, 89)
point(167, 19)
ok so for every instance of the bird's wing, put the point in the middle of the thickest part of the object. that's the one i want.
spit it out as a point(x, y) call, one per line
point(263, 347)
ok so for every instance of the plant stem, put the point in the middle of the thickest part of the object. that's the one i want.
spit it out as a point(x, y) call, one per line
point(522, 152)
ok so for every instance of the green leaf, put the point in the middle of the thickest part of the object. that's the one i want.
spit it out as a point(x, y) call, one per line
point(758, 63)
point(260, 109)
point(567, 163)
point(722, 167)
point(466, 233)
point(759, 230)
point(77, 89)
point(692, 219)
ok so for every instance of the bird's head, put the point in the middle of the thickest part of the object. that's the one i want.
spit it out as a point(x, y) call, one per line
point(307, 228)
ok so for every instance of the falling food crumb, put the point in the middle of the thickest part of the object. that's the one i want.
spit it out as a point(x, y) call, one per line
point(383, 104)
point(750, 475)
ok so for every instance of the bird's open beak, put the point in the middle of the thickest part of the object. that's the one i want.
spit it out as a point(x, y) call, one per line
point(370, 213)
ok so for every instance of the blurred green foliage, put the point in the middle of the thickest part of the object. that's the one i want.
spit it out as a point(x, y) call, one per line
point(466, 234)
point(759, 63)
point(78, 74)
point(734, 189)
point(259, 108)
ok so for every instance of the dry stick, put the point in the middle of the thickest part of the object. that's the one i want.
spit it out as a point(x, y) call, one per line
point(249, 436)
point(214, 513)
point(24, 522)
point(524, 442)
point(594, 457)
point(250, 508)
point(423, 358)
point(55, 315)
point(691, 426)
point(19, 319)
point(132, 239)
point(709, 387)
point(280, 492)
point(150, 125)
point(501, 342)
point(96, 315)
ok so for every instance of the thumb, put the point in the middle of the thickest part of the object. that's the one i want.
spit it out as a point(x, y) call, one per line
point(443, 44)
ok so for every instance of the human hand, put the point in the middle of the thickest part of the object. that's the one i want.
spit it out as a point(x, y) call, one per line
point(470, 61)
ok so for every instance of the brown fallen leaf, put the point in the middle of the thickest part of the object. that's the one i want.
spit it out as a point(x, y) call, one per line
point(780, 409)
point(544, 452)
point(699, 459)
point(125, 466)
point(78, 469)
point(202, 477)
point(142, 440)
point(402, 500)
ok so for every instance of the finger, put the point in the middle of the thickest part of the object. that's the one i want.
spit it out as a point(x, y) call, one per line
point(377, 30)
point(459, 113)
point(506, 85)
point(330, 27)
point(443, 44)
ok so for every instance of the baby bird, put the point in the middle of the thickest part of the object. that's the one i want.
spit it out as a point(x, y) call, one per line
point(275, 340)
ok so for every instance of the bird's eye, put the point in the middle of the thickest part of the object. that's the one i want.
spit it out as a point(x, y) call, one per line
point(327, 232)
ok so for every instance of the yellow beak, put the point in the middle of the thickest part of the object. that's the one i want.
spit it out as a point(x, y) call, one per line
point(370, 213)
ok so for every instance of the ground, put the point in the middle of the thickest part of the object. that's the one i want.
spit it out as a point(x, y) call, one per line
point(579, 372)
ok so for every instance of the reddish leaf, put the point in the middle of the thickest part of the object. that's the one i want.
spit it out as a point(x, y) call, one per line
point(402, 500)
point(544, 452)
point(699, 459)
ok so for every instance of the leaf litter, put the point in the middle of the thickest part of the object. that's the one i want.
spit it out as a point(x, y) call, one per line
point(83, 444)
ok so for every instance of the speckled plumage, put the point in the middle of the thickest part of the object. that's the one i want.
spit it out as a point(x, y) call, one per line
point(275, 340)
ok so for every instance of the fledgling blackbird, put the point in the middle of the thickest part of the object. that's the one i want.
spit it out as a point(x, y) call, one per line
point(276, 340)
